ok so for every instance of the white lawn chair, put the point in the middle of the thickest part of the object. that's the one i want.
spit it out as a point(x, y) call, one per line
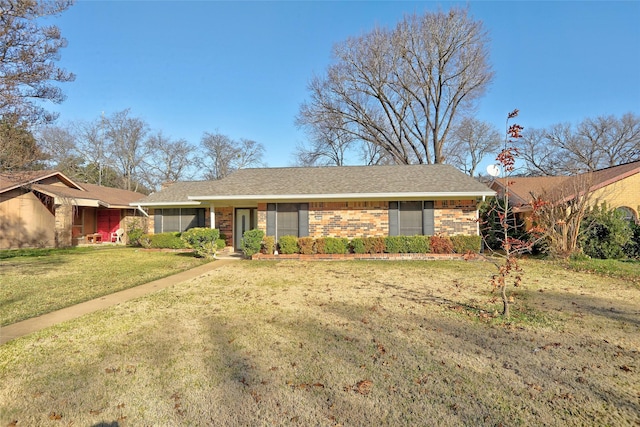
point(116, 236)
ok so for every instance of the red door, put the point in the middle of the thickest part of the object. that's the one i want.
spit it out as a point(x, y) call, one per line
point(108, 222)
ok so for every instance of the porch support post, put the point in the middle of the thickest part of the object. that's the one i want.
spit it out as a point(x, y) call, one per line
point(212, 214)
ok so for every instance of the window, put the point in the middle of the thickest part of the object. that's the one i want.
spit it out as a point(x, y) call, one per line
point(627, 213)
point(411, 218)
point(287, 219)
point(177, 219)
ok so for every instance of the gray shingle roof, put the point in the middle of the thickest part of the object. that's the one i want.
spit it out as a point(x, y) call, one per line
point(335, 181)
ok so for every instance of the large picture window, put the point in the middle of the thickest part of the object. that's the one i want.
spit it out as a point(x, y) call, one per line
point(177, 219)
point(287, 219)
point(411, 218)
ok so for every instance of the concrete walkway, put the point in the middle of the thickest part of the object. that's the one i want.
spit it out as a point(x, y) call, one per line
point(16, 330)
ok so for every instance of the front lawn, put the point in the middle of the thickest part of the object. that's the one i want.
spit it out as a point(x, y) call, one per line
point(41, 281)
point(340, 343)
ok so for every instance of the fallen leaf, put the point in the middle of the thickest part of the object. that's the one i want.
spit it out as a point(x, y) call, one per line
point(626, 368)
point(364, 387)
point(55, 416)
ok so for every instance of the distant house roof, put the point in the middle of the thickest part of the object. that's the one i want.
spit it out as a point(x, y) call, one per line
point(523, 189)
point(48, 182)
point(339, 183)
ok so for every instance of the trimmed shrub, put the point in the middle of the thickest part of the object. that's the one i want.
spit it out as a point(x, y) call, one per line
point(288, 245)
point(320, 245)
point(162, 241)
point(252, 241)
point(201, 240)
point(357, 245)
point(441, 245)
point(221, 244)
point(373, 245)
point(306, 245)
point(419, 244)
point(395, 244)
point(464, 244)
point(336, 245)
point(268, 245)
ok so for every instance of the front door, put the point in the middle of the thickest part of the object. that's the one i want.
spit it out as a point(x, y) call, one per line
point(108, 222)
point(244, 222)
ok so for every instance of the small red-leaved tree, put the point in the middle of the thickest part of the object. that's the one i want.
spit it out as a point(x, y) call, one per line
point(509, 270)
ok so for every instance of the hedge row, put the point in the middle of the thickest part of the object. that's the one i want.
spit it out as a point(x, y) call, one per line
point(203, 241)
point(255, 241)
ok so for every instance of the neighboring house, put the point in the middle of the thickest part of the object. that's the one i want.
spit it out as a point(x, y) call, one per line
point(351, 201)
point(49, 209)
point(617, 186)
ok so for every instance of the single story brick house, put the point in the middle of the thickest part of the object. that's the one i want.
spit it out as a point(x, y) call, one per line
point(49, 209)
point(348, 201)
point(617, 186)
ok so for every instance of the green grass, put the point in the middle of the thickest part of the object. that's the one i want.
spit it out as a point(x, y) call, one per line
point(35, 282)
point(625, 269)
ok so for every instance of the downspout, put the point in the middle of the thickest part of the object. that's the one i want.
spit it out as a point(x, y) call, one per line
point(143, 211)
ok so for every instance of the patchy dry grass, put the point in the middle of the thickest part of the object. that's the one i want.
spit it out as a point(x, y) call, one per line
point(340, 343)
point(33, 285)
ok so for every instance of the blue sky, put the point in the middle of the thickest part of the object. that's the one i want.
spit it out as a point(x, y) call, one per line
point(242, 68)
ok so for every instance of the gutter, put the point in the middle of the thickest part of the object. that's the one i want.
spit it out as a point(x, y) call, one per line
point(342, 196)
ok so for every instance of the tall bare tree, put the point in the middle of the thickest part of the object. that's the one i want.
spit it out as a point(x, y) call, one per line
point(223, 155)
point(125, 136)
point(168, 160)
point(59, 144)
point(594, 143)
point(471, 141)
point(28, 52)
point(402, 89)
point(328, 142)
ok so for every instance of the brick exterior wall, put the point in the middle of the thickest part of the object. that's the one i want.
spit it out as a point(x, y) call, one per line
point(371, 218)
point(262, 217)
point(454, 217)
point(348, 219)
point(224, 222)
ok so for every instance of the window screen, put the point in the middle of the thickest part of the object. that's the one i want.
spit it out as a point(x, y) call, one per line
point(177, 219)
point(410, 218)
point(287, 220)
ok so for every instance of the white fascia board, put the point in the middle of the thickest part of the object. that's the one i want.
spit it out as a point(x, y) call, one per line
point(165, 204)
point(350, 196)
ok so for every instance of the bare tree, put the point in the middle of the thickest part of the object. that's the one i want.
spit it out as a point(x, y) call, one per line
point(563, 149)
point(91, 145)
point(28, 53)
point(328, 145)
point(168, 160)
point(248, 154)
point(561, 210)
point(471, 141)
point(125, 136)
point(59, 144)
point(402, 89)
point(223, 155)
point(623, 139)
